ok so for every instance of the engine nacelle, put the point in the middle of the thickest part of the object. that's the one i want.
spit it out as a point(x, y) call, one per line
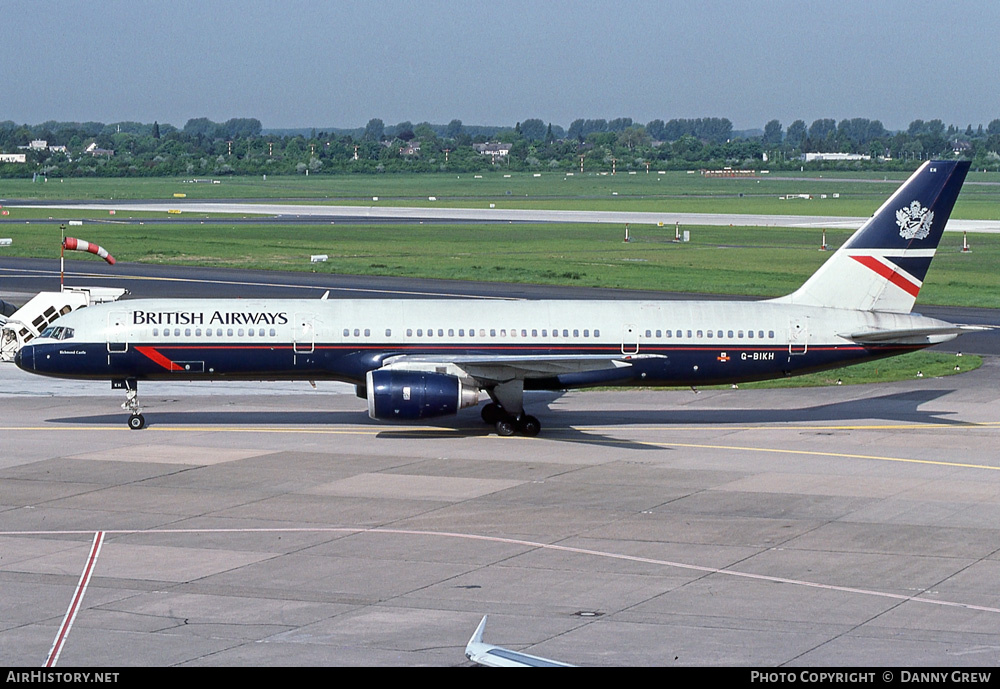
point(409, 395)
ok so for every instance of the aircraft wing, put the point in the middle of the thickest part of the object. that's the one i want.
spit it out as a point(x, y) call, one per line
point(494, 656)
point(498, 367)
point(912, 336)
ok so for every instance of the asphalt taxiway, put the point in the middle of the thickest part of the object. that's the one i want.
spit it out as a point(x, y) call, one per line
point(273, 524)
point(276, 525)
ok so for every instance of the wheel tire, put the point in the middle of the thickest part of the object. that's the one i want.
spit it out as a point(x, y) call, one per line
point(529, 426)
point(491, 413)
point(505, 427)
point(137, 422)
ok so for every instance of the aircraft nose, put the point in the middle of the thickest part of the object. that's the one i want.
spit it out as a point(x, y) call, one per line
point(24, 358)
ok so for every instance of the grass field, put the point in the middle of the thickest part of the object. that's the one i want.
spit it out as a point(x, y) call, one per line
point(859, 193)
point(760, 262)
point(906, 367)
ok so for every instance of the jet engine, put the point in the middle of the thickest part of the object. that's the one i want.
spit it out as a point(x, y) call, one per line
point(409, 395)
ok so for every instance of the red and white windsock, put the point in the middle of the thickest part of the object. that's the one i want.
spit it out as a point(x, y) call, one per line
point(74, 244)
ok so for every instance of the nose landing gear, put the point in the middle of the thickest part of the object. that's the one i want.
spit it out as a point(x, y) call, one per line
point(136, 421)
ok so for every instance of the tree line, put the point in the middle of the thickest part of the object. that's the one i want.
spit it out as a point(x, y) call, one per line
point(241, 146)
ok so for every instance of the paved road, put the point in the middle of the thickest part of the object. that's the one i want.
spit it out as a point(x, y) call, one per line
point(273, 526)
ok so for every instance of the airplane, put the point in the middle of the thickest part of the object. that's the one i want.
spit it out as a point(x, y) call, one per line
point(415, 359)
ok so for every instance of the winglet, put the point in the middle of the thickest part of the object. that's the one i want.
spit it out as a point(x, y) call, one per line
point(495, 656)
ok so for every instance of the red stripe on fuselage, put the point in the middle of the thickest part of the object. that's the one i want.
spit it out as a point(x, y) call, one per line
point(153, 355)
point(889, 274)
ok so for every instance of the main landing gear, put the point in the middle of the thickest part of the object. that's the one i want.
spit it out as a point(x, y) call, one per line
point(509, 424)
point(506, 411)
point(136, 421)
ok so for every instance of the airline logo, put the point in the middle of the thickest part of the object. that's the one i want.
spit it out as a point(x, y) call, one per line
point(914, 221)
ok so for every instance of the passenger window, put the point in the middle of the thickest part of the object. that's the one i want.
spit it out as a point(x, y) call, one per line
point(493, 333)
point(451, 332)
point(409, 332)
point(700, 334)
point(534, 332)
point(576, 333)
point(750, 334)
point(273, 332)
point(710, 333)
point(770, 334)
point(739, 334)
point(482, 332)
point(357, 332)
point(239, 332)
point(156, 331)
point(250, 332)
point(649, 333)
point(229, 332)
point(565, 333)
point(597, 333)
point(347, 332)
point(440, 332)
point(420, 332)
point(730, 333)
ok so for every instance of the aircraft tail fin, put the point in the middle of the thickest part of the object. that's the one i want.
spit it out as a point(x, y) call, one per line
point(882, 266)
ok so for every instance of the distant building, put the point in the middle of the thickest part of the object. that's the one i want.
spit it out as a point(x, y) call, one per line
point(93, 150)
point(495, 149)
point(13, 158)
point(410, 149)
point(810, 157)
point(38, 145)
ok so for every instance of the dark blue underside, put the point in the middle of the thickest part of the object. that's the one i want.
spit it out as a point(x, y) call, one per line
point(684, 365)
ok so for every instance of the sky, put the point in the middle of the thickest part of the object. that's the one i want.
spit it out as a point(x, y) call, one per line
point(323, 64)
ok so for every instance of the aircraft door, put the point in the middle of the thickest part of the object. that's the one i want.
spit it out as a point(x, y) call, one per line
point(304, 333)
point(798, 336)
point(630, 339)
point(117, 332)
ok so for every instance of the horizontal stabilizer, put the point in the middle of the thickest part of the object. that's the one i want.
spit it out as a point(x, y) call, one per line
point(920, 336)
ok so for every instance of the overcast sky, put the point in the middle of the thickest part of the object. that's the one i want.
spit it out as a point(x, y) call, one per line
point(313, 63)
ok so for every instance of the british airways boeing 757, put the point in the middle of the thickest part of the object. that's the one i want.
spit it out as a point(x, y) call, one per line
point(420, 359)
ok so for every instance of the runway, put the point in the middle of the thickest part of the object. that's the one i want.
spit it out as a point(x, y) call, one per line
point(383, 213)
point(273, 524)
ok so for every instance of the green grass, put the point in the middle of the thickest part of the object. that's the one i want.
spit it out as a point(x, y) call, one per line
point(905, 367)
point(760, 262)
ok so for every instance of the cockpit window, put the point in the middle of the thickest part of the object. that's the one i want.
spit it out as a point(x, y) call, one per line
point(57, 333)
